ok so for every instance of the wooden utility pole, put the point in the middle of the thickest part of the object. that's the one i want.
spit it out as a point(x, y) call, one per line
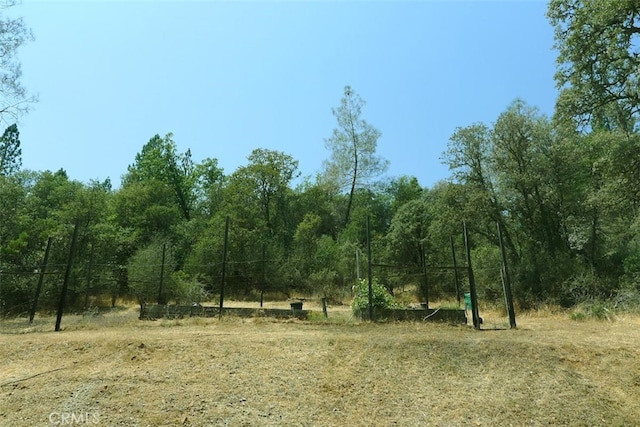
point(455, 270)
point(506, 282)
point(67, 275)
point(472, 281)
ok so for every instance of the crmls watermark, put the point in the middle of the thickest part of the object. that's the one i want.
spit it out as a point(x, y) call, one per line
point(73, 418)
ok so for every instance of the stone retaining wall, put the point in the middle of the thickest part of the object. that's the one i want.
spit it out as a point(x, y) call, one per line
point(151, 312)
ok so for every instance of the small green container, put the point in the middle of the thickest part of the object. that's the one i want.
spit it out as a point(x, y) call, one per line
point(467, 301)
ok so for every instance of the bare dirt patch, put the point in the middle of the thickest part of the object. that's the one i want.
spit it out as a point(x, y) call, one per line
point(119, 371)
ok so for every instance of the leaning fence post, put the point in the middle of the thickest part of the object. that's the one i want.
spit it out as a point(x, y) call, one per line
point(472, 281)
point(506, 282)
point(67, 275)
point(455, 270)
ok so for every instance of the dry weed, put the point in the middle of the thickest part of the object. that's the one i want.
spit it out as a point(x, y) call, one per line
point(201, 372)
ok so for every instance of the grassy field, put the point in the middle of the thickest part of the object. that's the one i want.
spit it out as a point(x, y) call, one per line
point(114, 370)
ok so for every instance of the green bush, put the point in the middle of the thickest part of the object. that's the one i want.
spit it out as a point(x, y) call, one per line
point(627, 299)
point(381, 296)
point(187, 291)
point(593, 309)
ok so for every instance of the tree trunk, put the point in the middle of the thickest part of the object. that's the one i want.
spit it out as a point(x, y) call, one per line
point(354, 138)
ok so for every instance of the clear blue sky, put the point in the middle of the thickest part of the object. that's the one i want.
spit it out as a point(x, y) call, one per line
point(227, 77)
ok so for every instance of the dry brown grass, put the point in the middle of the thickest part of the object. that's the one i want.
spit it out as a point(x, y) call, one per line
point(201, 372)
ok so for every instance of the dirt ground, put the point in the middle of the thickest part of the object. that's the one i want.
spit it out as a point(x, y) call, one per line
point(115, 370)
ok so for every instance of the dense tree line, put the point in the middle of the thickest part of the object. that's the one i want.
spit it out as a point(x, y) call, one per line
point(564, 189)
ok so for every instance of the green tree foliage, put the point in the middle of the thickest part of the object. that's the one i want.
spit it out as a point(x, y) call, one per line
point(147, 209)
point(52, 204)
point(41, 206)
point(257, 198)
point(408, 233)
point(14, 241)
point(112, 246)
point(316, 198)
point(316, 261)
point(402, 190)
point(209, 186)
point(264, 183)
point(598, 61)
point(612, 201)
point(10, 151)
point(13, 194)
point(14, 100)
point(469, 157)
point(145, 269)
point(100, 243)
point(567, 201)
point(522, 141)
point(381, 298)
point(159, 163)
point(353, 162)
point(513, 174)
point(372, 203)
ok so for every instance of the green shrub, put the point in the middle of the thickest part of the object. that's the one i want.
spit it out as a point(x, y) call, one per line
point(578, 315)
point(381, 296)
point(187, 291)
point(593, 309)
point(627, 299)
